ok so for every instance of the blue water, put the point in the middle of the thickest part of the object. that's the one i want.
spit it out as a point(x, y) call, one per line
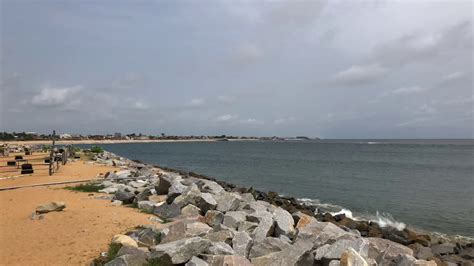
point(426, 184)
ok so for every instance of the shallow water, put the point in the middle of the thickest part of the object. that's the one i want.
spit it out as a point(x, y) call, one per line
point(424, 184)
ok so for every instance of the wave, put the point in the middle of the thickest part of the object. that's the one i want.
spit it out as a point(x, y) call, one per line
point(383, 219)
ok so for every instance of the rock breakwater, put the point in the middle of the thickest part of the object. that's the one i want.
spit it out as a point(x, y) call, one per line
point(217, 223)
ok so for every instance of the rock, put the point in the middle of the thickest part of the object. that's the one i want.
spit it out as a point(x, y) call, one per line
point(195, 261)
point(242, 243)
point(197, 229)
point(137, 184)
point(253, 206)
point(467, 253)
point(247, 197)
point(109, 190)
point(232, 219)
point(247, 226)
point(142, 196)
point(190, 211)
point(220, 248)
point(350, 257)
point(334, 263)
point(304, 218)
point(221, 236)
point(125, 241)
point(165, 183)
point(157, 198)
point(226, 260)
point(174, 232)
point(141, 252)
point(397, 236)
point(146, 206)
point(227, 201)
point(120, 174)
point(167, 211)
point(384, 251)
point(179, 251)
point(443, 249)
point(283, 223)
point(116, 203)
point(424, 253)
point(206, 202)
point(406, 260)
point(267, 246)
point(209, 186)
point(148, 238)
point(213, 218)
point(264, 229)
point(125, 197)
point(126, 260)
point(175, 190)
point(192, 195)
point(298, 254)
point(335, 250)
point(320, 232)
point(55, 206)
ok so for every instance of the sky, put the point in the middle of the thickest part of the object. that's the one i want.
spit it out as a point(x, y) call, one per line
point(329, 69)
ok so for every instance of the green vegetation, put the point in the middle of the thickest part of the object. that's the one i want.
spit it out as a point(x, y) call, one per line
point(111, 254)
point(89, 187)
point(97, 149)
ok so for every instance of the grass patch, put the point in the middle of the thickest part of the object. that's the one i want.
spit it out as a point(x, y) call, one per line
point(111, 254)
point(89, 187)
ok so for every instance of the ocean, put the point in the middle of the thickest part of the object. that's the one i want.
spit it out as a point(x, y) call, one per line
point(424, 184)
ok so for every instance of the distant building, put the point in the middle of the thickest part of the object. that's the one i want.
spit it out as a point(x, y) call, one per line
point(117, 135)
point(65, 136)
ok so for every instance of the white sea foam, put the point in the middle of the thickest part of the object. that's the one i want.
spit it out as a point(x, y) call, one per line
point(386, 219)
point(346, 212)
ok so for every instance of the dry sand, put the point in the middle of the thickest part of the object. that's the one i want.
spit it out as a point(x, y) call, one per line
point(74, 236)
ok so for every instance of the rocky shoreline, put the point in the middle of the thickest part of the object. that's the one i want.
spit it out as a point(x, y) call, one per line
point(212, 222)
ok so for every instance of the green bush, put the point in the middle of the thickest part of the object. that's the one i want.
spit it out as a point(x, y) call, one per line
point(97, 149)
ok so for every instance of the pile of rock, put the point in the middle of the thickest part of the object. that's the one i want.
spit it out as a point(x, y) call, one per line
point(215, 224)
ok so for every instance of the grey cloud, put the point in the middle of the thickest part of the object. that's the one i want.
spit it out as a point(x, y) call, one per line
point(54, 97)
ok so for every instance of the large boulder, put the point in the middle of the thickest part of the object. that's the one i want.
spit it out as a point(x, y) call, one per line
point(175, 189)
point(221, 236)
point(195, 261)
point(350, 257)
point(320, 232)
point(125, 197)
point(264, 229)
point(124, 240)
point(233, 219)
point(174, 232)
point(193, 195)
point(247, 226)
point(219, 248)
point(227, 201)
point(165, 183)
point(127, 260)
point(335, 250)
point(406, 260)
point(283, 223)
point(297, 254)
point(197, 229)
point(443, 249)
point(227, 260)
point(267, 246)
point(242, 243)
point(51, 207)
point(146, 206)
point(384, 251)
point(148, 237)
point(167, 211)
point(209, 186)
point(213, 218)
point(179, 251)
point(190, 211)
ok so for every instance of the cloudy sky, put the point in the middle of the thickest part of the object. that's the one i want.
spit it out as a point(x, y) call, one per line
point(336, 69)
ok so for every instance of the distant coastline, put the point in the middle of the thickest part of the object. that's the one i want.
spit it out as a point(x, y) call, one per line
point(106, 141)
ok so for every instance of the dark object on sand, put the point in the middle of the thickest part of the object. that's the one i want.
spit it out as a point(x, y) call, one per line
point(47, 160)
point(26, 168)
point(18, 157)
point(11, 163)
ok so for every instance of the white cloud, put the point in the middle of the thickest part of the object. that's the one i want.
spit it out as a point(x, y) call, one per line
point(426, 109)
point(140, 105)
point(252, 121)
point(51, 97)
point(283, 120)
point(197, 102)
point(414, 122)
point(408, 90)
point(453, 76)
point(359, 74)
point(226, 118)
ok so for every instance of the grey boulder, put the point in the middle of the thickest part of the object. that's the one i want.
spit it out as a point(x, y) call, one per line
point(180, 251)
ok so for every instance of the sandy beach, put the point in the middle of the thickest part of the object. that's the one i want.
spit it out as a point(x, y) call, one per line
point(74, 236)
